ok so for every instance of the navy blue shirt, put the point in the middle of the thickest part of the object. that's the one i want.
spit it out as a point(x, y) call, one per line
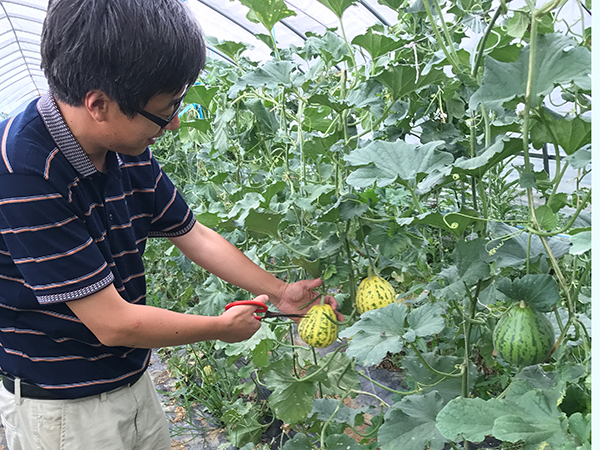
point(68, 231)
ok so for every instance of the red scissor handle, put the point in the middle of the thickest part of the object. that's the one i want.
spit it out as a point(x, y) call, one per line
point(262, 308)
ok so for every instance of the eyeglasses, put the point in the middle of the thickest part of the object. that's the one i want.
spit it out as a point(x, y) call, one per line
point(159, 120)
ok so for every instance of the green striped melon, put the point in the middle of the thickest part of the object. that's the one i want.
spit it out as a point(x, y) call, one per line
point(374, 293)
point(523, 337)
point(316, 328)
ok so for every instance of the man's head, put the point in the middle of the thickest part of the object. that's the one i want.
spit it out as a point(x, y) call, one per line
point(132, 50)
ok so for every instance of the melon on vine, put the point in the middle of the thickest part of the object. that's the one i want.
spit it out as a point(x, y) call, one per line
point(318, 327)
point(523, 336)
point(373, 293)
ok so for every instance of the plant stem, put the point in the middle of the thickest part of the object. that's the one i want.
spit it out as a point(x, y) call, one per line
point(482, 42)
point(350, 49)
point(468, 326)
point(325, 365)
point(314, 353)
point(381, 401)
point(349, 254)
point(335, 411)
point(581, 205)
point(437, 372)
point(439, 37)
point(436, 5)
point(393, 391)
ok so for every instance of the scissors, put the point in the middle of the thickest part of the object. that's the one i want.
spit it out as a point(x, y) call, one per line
point(262, 308)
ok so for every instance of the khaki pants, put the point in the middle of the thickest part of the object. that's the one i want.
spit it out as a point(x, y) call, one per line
point(128, 418)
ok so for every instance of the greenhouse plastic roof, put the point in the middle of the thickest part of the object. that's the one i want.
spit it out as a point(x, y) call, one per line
point(21, 78)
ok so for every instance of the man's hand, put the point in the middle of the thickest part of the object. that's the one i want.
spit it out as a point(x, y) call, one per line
point(300, 293)
point(240, 321)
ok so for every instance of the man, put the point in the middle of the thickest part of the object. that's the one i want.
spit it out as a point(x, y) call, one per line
point(80, 193)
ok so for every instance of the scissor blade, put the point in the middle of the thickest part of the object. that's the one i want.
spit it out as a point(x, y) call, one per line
point(274, 314)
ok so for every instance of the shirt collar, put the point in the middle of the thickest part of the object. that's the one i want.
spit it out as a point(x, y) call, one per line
point(61, 134)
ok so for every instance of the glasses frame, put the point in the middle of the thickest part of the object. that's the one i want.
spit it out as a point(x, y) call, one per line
point(163, 123)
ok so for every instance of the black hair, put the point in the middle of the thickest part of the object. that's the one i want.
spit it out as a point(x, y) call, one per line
point(131, 50)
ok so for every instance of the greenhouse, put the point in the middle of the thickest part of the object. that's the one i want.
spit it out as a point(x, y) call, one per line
point(371, 224)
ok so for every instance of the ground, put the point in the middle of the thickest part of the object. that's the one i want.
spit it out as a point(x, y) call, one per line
point(202, 437)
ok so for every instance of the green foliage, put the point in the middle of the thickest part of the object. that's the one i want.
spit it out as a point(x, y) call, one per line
point(316, 165)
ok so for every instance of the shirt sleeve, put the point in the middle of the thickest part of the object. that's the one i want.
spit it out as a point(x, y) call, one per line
point(52, 250)
point(172, 216)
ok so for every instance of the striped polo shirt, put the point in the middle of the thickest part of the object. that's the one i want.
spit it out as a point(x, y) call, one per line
point(68, 231)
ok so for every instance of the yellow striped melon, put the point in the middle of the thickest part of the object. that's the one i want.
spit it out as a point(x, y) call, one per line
point(316, 329)
point(374, 293)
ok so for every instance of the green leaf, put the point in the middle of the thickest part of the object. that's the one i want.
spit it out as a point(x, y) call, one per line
point(376, 333)
point(401, 80)
point(580, 158)
point(470, 418)
point(328, 101)
point(202, 125)
point(244, 423)
point(201, 94)
point(317, 119)
point(350, 206)
point(539, 291)
point(394, 4)
point(475, 22)
point(410, 424)
point(447, 388)
point(571, 133)
point(272, 75)
point(263, 223)
point(220, 124)
point(267, 120)
point(502, 148)
point(559, 61)
point(581, 243)
point(509, 246)
point(298, 442)
point(471, 266)
point(259, 345)
point(291, 398)
point(340, 376)
point(532, 418)
point(230, 49)
point(272, 190)
point(581, 426)
point(330, 47)
point(427, 319)
point(341, 442)
point(208, 220)
point(558, 201)
point(366, 176)
point(325, 408)
point(514, 428)
point(244, 206)
point(377, 44)
point(269, 12)
point(338, 6)
point(317, 146)
point(312, 267)
point(455, 223)
point(518, 24)
point(527, 180)
point(546, 217)
point(367, 96)
point(411, 163)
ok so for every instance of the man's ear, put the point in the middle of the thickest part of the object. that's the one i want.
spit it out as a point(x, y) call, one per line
point(98, 105)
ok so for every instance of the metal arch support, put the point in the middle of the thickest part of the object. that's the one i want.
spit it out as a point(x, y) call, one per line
point(374, 12)
point(20, 47)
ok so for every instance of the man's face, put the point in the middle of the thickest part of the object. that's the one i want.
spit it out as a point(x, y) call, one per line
point(132, 136)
